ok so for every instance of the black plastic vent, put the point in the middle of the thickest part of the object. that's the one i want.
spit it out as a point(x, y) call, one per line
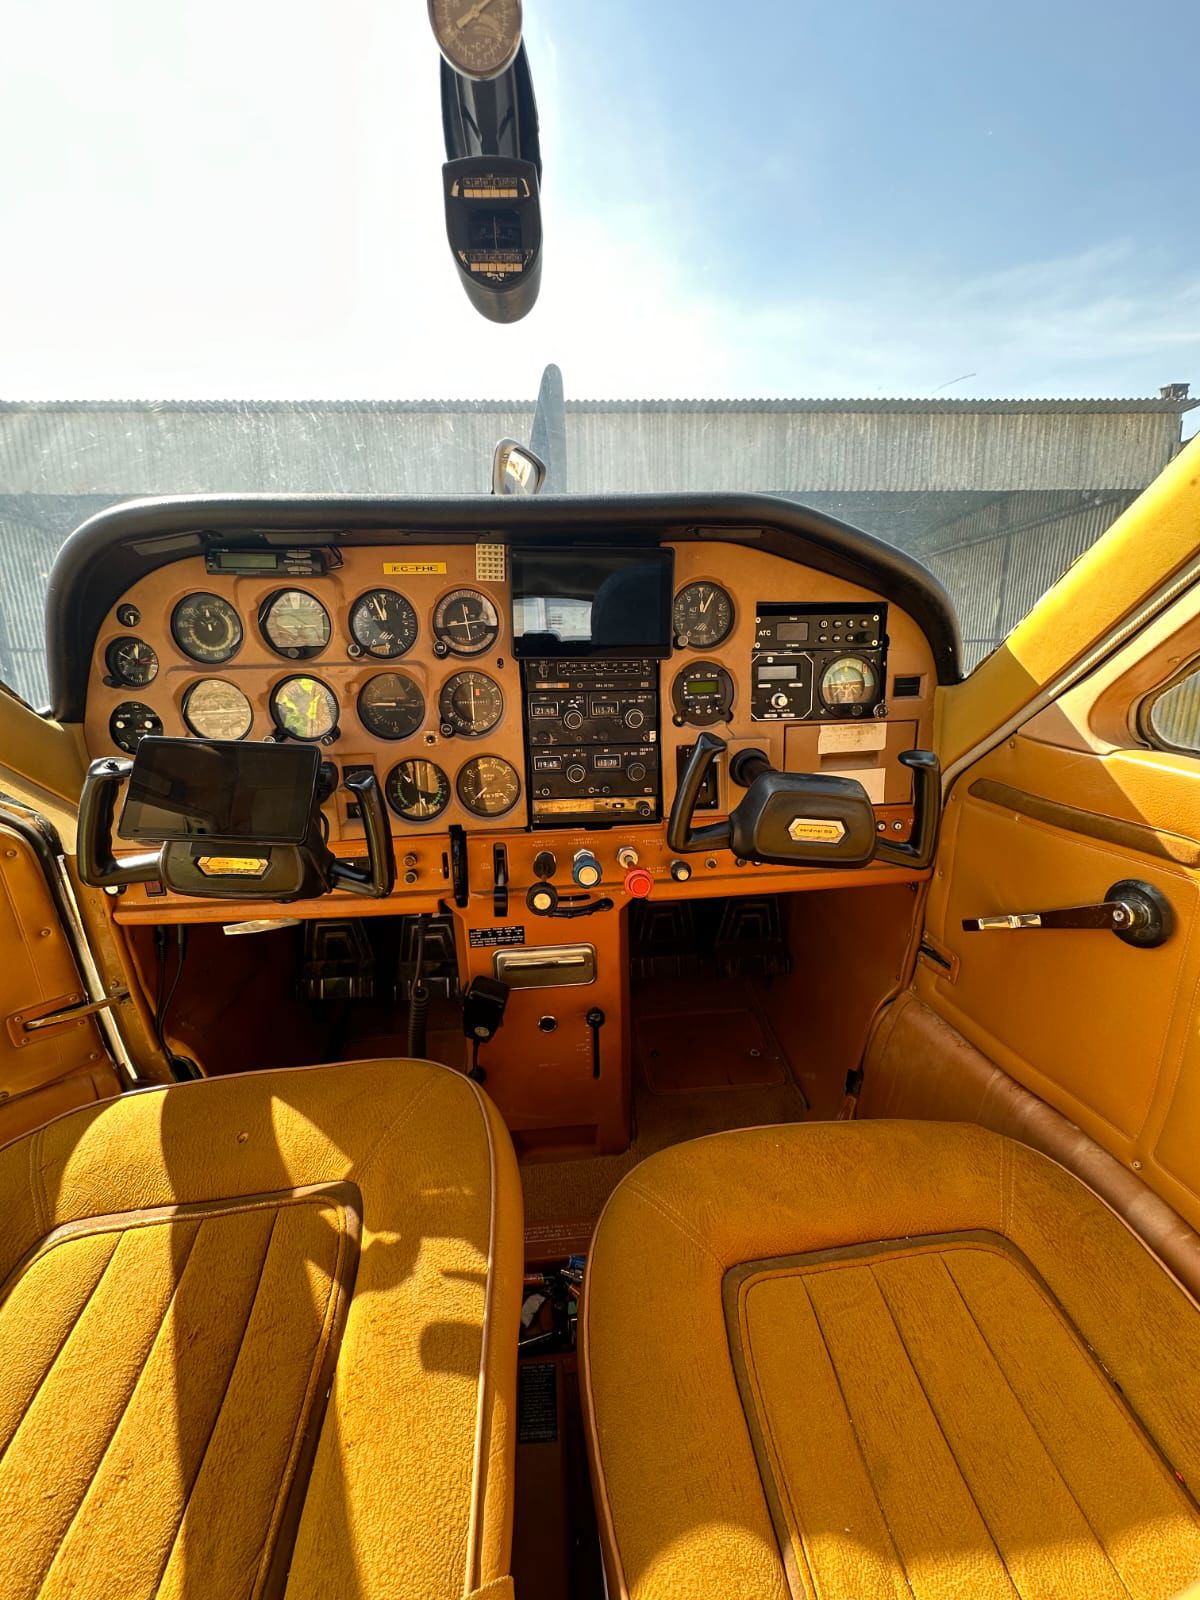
point(906, 688)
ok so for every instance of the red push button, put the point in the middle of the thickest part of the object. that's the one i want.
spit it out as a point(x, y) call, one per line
point(638, 882)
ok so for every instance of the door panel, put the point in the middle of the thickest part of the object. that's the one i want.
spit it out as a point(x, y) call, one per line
point(1084, 1020)
point(47, 1070)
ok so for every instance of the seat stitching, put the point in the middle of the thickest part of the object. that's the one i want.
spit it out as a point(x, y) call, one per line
point(1013, 1390)
point(933, 1412)
point(331, 1305)
point(41, 1218)
point(59, 1348)
point(858, 1444)
point(166, 1561)
point(667, 1211)
point(395, 1126)
point(124, 1409)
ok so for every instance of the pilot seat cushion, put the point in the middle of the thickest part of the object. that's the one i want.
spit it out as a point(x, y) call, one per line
point(188, 1273)
point(865, 1360)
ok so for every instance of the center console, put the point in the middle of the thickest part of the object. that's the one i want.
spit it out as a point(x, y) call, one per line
point(592, 740)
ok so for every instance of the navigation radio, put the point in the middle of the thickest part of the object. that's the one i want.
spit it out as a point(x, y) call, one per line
point(592, 732)
point(816, 662)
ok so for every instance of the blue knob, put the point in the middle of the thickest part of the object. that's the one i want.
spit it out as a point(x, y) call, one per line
point(586, 870)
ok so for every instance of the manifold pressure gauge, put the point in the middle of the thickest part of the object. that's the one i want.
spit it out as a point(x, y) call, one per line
point(479, 38)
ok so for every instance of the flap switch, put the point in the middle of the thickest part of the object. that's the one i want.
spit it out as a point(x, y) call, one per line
point(586, 870)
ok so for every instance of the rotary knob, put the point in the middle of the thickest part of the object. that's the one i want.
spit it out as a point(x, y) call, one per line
point(586, 870)
point(573, 720)
point(576, 772)
point(635, 771)
point(779, 700)
point(635, 717)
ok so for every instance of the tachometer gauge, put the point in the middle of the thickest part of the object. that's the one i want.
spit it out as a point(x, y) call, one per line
point(305, 708)
point(488, 786)
point(466, 622)
point(703, 615)
point(214, 709)
point(294, 623)
point(131, 661)
point(417, 790)
point(848, 681)
point(383, 623)
point(130, 723)
point(470, 703)
point(702, 694)
point(206, 628)
point(391, 706)
point(479, 38)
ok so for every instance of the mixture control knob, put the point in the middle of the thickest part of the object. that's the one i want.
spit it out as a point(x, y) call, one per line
point(638, 883)
point(635, 717)
point(586, 870)
point(576, 772)
point(680, 871)
point(573, 720)
point(635, 771)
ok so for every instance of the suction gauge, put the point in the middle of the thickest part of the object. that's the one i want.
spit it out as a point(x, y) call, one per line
point(131, 661)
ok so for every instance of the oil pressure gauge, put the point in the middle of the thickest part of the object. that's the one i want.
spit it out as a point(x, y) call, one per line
point(702, 694)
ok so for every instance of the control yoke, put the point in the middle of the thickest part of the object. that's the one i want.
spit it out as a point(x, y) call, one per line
point(233, 866)
point(803, 819)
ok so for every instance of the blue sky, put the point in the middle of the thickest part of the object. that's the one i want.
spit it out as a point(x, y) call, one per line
point(791, 199)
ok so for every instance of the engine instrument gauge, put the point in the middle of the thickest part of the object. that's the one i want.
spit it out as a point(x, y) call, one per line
point(206, 628)
point(305, 708)
point(702, 694)
point(848, 681)
point(417, 790)
point(214, 709)
point(294, 623)
point(702, 616)
point(383, 623)
point(471, 704)
point(130, 723)
point(488, 786)
point(479, 38)
point(466, 622)
point(391, 706)
point(131, 661)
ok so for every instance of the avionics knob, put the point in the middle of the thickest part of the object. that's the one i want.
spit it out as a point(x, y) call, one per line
point(779, 700)
point(586, 870)
point(573, 720)
point(634, 717)
point(680, 871)
point(635, 771)
point(576, 773)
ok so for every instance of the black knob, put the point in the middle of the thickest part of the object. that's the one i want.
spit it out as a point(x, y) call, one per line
point(576, 773)
point(547, 1024)
point(545, 864)
point(634, 718)
point(680, 871)
point(635, 771)
point(573, 719)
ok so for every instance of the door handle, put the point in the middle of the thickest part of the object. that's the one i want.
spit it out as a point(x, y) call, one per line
point(1138, 913)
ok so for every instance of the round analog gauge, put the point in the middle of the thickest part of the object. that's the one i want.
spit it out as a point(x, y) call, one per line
point(466, 622)
point(130, 723)
point(383, 623)
point(206, 628)
point(391, 706)
point(214, 709)
point(479, 38)
point(417, 790)
point(131, 661)
point(294, 623)
point(305, 708)
point(470, 703)
point(849, 681)
point(702, 694)
point(488, 786)
point(703, 615)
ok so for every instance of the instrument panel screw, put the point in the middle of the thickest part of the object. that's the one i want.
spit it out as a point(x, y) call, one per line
point(1136, 1165)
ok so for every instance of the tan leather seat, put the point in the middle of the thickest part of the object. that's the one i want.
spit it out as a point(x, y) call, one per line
point(885, 1359)
point(188, 1272)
